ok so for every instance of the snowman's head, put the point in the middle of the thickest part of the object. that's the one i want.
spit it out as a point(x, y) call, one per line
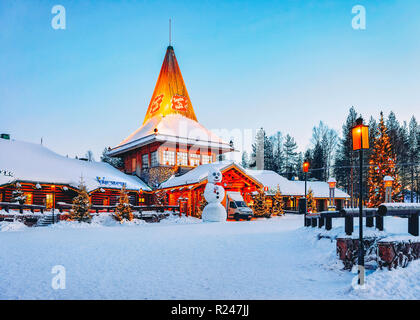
point(214, 175)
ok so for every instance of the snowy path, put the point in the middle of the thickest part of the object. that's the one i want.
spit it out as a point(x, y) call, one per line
point(266, 259)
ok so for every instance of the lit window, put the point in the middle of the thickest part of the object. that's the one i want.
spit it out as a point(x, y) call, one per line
point(154, 158)
point(205, 159)
point(194, 159)
point(49, 202)
point(145, 161)
point(133, 164)
point(29, 198)
point(169, 158)
point(141, 200)
point(182, 158)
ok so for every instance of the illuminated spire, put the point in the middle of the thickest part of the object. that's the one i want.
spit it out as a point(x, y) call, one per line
point(170, 95)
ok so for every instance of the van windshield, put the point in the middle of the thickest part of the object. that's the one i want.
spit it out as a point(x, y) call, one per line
point(240, 204)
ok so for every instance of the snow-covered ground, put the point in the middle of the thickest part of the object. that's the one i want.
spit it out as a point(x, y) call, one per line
point(183, 258)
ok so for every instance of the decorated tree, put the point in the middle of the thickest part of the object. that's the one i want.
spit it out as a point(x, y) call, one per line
point(382, 163)
point(160, 197)
point(311, 201)
point(123, 210)
point(81, 204)
point(278, 203)
point(201, 204)
point(260, 206)
point(18, 195)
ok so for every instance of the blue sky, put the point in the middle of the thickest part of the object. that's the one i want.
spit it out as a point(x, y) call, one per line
point(283, 65)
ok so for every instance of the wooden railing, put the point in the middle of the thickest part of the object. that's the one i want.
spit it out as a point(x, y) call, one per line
point(409, 211)
point(31, 207)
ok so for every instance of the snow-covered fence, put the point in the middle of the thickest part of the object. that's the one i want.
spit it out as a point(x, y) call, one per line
point(410, 211)
point(31, 207)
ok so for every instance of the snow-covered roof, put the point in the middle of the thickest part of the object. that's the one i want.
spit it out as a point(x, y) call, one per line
point(23, 161)
point(198, 174)
point(272, 179)
point(171, 128)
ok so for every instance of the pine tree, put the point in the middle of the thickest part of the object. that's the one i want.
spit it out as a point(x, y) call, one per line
point(262, 152)
point(278, 152)
point(318, 163)
point(311, 201)
point(245, 160)
point(260, 207)
point(18, 195)
point(290, 157)
point(115, 162)
point(123, 210)
point(160, 197)
point(81, 205)
point(382, 163)
point(278, 203)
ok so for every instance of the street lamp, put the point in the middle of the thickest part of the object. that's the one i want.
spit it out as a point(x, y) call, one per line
point(332, 183)
point(388, 181)
point(360, 134)
point(305, 168)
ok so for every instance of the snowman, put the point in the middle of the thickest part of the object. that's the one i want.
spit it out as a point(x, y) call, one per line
point(214, 194)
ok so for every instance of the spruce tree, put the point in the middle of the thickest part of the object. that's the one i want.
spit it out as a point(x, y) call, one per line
point(81, 205)
point(18, 195)
point(278, 203)
point(382, 163)
point(260, 207)
point(123, 209)
point(311, 201)
point(290, 157)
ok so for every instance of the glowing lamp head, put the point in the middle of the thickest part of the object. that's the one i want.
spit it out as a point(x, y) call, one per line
point(305, 166)
point(332, 183)
point(360, 135)
point(388, 181)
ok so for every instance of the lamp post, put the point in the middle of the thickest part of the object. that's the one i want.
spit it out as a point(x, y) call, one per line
point(332, 183)
point(388, 188)
point(305, 169)
point(360, 134)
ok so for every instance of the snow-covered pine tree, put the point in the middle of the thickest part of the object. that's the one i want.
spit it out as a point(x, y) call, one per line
point(123, 210)
point(260, 207)
point(81, 205)
point(290, 157)
point(115, 162)
point(311, 201)
point(278, 203)
point(382, 163)
point(160, 197)
point(18, 195)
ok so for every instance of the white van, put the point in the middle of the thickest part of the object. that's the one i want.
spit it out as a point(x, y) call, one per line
point(236, 207)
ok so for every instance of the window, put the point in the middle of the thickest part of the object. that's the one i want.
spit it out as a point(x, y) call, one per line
point(145, 161)
point(106, 201)
point(154, 157)
point(194, 159)
point(141, 200)
point(205, 159)
point(133, 164)
point(182, 159)
point(29, 198)
point(49, 200)
point(169, 158)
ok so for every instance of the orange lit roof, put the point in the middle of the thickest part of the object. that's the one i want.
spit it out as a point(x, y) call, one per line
point(170, 95)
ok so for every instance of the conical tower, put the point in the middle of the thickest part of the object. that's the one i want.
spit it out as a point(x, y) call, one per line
point(170, 95)
point(170, 140)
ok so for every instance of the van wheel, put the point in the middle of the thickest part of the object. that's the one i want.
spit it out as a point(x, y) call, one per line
point(236, 217)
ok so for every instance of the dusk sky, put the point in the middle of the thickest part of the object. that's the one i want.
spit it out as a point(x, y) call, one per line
point(282, 65)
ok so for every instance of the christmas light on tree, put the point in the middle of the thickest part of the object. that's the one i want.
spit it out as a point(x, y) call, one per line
point(260, 207)
point(278, 203)
point(81, 204)
point(311, 201)
point(18, 195)
point(123, 210)
point(382, 163)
